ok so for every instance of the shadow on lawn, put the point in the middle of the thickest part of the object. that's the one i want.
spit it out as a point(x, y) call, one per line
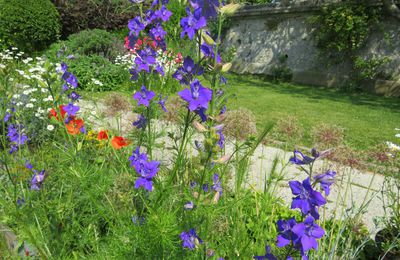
point(318, 93)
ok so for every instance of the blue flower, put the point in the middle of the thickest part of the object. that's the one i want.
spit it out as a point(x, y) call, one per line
point(216, 184)
point(209, 8)
point(267, 256)
point(190, 239)
point(135, 26)
point(197, 96)
point(145, 59)
point(140, 123)
point(209, 52)
point(161, 102)
point(185, 73)
point(308, 233)
point(189, 205)
point(74, 96)
point(286, 234)
point(158, 31)
point(71, 109)
point(37, 180)
point(307, 199)
point(137, 158)
point(144, 96)
point(192, 23)
point(326, 180)
point(300, 159)
point(70, 79)
point(146, 170)
point(138, 221)
point(163, 14)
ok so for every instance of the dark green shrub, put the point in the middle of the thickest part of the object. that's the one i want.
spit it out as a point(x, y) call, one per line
point(87, 68)
point(30, 25)
point(77, 15)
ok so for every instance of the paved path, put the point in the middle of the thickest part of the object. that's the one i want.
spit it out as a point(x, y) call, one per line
point(352, 189)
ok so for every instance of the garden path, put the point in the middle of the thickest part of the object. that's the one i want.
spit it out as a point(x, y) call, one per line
point(354, 191)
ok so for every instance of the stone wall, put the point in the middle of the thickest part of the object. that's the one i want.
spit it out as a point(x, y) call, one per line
point(266, 35)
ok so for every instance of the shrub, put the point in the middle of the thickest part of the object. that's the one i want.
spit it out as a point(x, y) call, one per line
point(97, 73)
point(31, 25)
point(327, 136)
point(77, 15)
point(288, 129)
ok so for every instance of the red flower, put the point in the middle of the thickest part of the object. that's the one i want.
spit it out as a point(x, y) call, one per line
point(102, 135)
point(179, 58)
point(118, 142)
point(74, 126)
point(54, 113)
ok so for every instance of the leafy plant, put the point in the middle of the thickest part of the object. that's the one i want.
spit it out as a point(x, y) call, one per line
point(30, 25)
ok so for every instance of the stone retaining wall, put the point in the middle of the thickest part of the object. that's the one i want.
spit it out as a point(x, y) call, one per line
point(265, 34)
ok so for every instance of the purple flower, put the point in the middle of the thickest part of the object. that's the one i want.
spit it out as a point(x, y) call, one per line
point(63, 68)
point(7, 117)
point(209, 8)
point(15, 135)
point(71, 109)
point(74, 96)
point(209, 52)
point(286, 234)
point(163, 14)
point(28, 165)
point(223, 80)
point(158, 31)
point(144, 96)
point(37, 180)
point(146, 171)
point(267, 256)
point(70, 57)
point(300, 159)
point(134, 73)
point(216, 184)
point(192, 23)
point(140, 123)
point(307, 199)
point(221, 140)
point(161, 102)
point(158, 68)
point(145, 59)
point(185, 73)
point(189, 205)
point(136, 25)
point(202, 114)
point(197, 96)
point(137, 158)
point(205, 187)
point(190, 239)
point(223, 110)
point(70, 79)
point(138, 221)
point(326, 180)
point(308, 233)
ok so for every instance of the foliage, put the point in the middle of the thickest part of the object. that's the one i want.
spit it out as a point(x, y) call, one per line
point(30, 25)
point(370, 68)
point(97, 73)
point(79, 15)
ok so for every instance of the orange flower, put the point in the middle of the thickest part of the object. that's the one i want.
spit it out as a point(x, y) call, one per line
point(118, 142)
point(54, 113)
point(102, 135)
point(74, 126)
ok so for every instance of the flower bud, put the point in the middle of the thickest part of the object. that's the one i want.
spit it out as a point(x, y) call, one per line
point(207, 38)
point(226, 67)
point(229, 9)
point(199, 127)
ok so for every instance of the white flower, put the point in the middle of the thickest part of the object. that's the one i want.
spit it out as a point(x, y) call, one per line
point(29, 105)
point(16, 96)
point(14, 48)
point(37, 114)
point(11, 79)
point(50, 127)
point(50, 98)
point(392, 146)
point(40, 110)
point(19, 104)
point(33, 100)
point(2, 66)
point(26, 92)
point(44, 90)
point(397, 135)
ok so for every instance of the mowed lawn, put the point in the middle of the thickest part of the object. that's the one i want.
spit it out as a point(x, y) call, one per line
point(367, 119)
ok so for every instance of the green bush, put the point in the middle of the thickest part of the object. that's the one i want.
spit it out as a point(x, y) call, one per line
point(95, 67)
point(30, 25)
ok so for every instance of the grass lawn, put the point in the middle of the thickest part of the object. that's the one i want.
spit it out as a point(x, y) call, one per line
point(368, 120)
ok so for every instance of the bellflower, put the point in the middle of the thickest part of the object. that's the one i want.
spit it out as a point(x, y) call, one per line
point(74, 96)
point(144, 96)
point(308, 233)
point(161, 102)
point(267, 256)
point(15, 135)
point(137, 158)
point(197, 96)
point(192, 23)
point(158, 31)
point(140, 123)
point(71, 109)
point(190, 239)
point(307, 199)
point(163, 14)
point(136, 25)
point(70, 79)
point(185, 73)
point(37, 180)
point(209, 8)
point(216, 184)
point(326, 180)
point(286, 234)
point(146, 171)
point(300, 159)
point(209, 52)
point(145, 59)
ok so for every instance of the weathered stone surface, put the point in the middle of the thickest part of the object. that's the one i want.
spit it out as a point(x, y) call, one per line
point(262, 35)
